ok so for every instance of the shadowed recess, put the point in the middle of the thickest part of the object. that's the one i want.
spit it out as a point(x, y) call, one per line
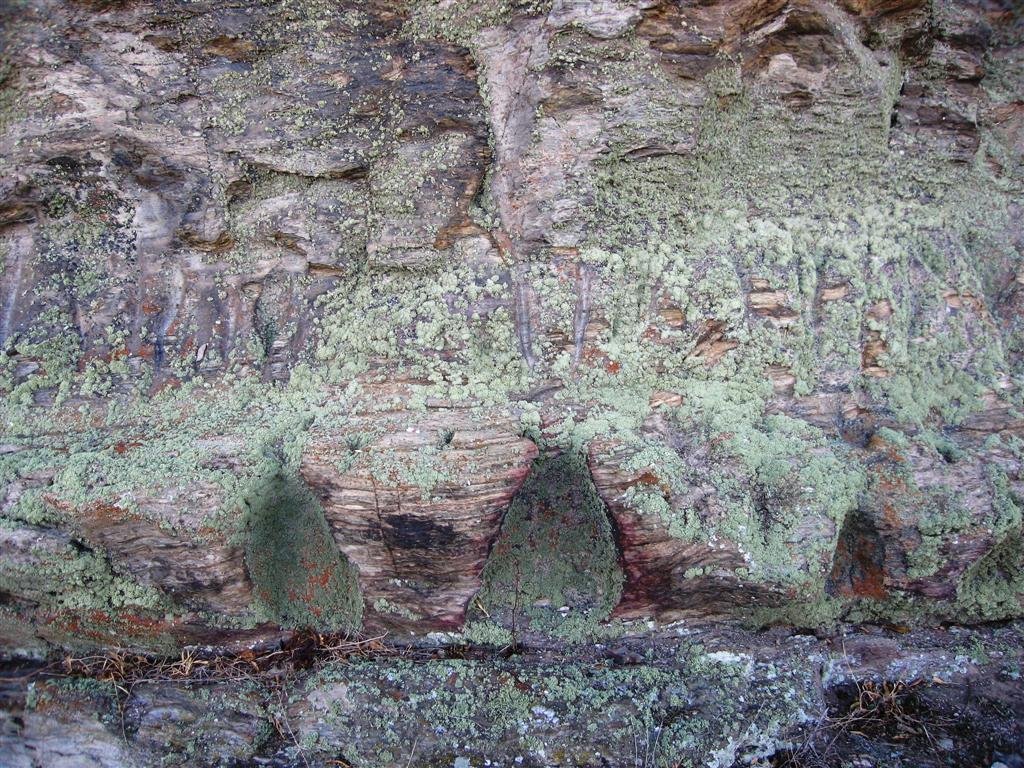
point(554, 566)
point(858, 565)
point(299, 577)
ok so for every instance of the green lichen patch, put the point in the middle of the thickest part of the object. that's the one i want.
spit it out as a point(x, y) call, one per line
point(775, 488)
point(554, 566)
point(300, 578)
point(459, 22)
point(993, 588)
point(701, 709)
point(63, 574)
point(436, 326)
point(799, 490)
point(179, 464)
point(73, 595)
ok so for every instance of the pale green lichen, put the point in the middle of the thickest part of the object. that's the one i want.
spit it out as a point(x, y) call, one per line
point(993, 588)
point(488, 633)
point(541, 709)
point(66, 575)
point(427, 323)
point(387, 607)
point(939, 517)
point(460, 21)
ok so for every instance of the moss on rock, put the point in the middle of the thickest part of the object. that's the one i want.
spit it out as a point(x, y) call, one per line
point(300, 578)
point(554, 566)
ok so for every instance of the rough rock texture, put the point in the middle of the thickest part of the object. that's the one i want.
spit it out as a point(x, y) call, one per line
point(415, 509)
point(756, 261)
point(729, 699)
point(366, 316)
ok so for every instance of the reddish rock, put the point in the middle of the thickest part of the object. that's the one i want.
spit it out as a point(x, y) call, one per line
point(669, 576)
point(415, 503)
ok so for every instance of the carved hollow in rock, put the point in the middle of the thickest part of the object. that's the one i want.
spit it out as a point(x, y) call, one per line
point(300, 578)
point(554, 565)
point(414, 505)
point(858, 565)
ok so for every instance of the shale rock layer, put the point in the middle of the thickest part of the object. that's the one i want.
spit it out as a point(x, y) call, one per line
point(297, 296)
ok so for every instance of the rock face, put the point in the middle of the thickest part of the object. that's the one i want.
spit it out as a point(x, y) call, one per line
point(212, 178)
point(415, 509)
point(295, 298)
point(533, 323)
point(732, 697)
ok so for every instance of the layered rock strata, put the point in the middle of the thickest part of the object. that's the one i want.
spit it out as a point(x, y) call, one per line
point(294, 294)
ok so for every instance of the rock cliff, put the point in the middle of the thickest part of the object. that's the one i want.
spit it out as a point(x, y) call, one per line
point(529, 321)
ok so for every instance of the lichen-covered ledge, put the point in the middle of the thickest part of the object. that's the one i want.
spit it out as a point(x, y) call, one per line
point(718, 698)
point(382, 518)
point(381, 522)
point(777, 521)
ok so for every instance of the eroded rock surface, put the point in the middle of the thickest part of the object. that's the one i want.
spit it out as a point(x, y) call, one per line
point(796, 380)
point(415, 504)
point(301, 301)
point(720, 699)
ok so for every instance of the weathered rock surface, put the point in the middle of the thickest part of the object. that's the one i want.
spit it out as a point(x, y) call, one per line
point(415, 505)
point(296, 296)
point(719, 699)
point(233, 172)
point(540, 323)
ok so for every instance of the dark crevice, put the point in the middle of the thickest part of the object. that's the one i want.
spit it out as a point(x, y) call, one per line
point(858, 567)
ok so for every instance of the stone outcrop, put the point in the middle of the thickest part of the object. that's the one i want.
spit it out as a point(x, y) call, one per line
point(731, 696)
point(563, 328)
point(208, 179)
point(294, 296)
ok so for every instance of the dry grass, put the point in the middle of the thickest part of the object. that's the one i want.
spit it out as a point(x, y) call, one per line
point(880, 708)
point(881, 712)
point(121, 667)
